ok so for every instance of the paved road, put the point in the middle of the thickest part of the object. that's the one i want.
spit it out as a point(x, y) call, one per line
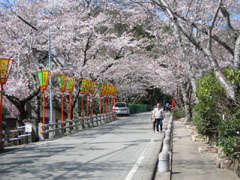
point(113, 151)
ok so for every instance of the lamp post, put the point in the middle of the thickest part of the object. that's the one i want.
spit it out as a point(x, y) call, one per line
point(43, 77)
point(87, 95)
point(50, 69)
point(92, 91)
point(5, 69)
point(103, 95)
point(99, 92)
point(109, 98)
point(105, 98)
point(61, 78)
point(82, 90)
point(111, 93)
point(114, 94)
point(70, 83)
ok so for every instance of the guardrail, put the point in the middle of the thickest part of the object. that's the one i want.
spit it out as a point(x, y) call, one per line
point(19, 136)
point(68, 126)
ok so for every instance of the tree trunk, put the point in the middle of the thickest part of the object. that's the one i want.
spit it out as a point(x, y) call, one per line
point(237, 52)
point(187, 106)
point(180, 96)
point(229, 89)
point(20, 104)
point(38, 108)
point(35, 121)
point(186, 61)
point(225, 84)
point(75, 101)
point(23, 114)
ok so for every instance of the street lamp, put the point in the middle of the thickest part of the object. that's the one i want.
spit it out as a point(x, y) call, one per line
point(87, 89)
point(82, 91)
point(93, 87)
point(61, 78)
point(102, 95)
point(109, 97)
point(70, 83)
point(114, 93)
point(43, 77)
point(5, 69)
point(111, 93)
point(99, 92)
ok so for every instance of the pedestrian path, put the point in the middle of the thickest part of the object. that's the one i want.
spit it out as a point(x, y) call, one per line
point(189, 164)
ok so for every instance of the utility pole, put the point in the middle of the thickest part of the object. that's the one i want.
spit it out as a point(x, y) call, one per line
point(50, 69)
point(51, 134)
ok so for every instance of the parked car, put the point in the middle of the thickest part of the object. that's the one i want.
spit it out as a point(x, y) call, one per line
point(121, 108)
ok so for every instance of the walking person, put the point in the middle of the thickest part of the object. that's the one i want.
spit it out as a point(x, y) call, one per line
point(158, 115)
point(153, 119)
point(168, 106)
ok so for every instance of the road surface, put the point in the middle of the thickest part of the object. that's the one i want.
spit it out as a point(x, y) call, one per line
point(125, 149)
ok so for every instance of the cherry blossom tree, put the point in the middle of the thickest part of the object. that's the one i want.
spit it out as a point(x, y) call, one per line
point(187, 17)
point(133, 44)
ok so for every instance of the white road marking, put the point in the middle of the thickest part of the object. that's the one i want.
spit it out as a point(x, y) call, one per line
point(138, 162)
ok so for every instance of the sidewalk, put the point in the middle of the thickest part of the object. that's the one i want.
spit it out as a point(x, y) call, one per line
point(189, 164)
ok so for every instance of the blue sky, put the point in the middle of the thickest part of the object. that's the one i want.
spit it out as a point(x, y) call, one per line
point(6, 3)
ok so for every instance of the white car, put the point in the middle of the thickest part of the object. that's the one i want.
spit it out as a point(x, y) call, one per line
point(121, 108)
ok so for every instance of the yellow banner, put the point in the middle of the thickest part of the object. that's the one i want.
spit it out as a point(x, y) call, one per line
point(45, 78)
point(3, 69)
point(93, 87)
point(108, 90)
point(70, 83)
point(86, 86)
point(83, 84)
point(112, 90)
point(102, 90)
point(115, 90)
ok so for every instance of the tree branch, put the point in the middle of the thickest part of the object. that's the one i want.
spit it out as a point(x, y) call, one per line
point(226, 16)
point(23, 20)
point(87, 47)
point(237, 52)
point(29, 98)
point(212, 26)
point(118, 56)
point(75, 100)
point(204, 31)
point(13, 99)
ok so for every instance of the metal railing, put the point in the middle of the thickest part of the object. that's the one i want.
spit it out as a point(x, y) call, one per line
point(18, 136)
point(68, 126)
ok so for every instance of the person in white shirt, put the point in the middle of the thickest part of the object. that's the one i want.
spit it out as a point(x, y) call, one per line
point(158, 115)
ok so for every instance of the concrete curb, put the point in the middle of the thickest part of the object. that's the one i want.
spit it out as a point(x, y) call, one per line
point(147, 169)
point(165, 175)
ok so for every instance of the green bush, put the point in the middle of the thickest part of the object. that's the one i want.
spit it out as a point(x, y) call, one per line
point(213, 104)
point(137, 108)
point(178, 113)
point(229, 137)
